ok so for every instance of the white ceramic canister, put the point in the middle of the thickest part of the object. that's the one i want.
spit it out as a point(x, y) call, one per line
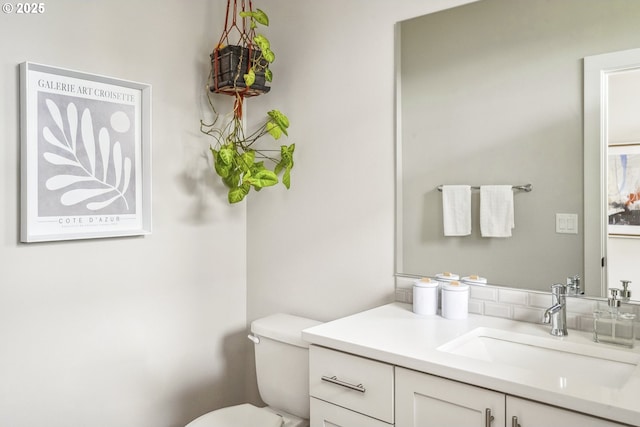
point(455, 300)
point(443, 278)
point(474, 280)
point(447, 277)
point(425, 297)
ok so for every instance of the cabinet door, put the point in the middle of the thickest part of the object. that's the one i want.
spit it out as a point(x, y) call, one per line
point(427, 401)
point(324, 414)
point(533, 414)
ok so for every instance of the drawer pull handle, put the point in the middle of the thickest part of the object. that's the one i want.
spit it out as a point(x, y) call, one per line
point(336, 381)
point(514, 422)
point(488, 418)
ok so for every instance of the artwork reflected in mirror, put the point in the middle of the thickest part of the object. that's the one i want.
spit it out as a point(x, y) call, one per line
point(623, 190)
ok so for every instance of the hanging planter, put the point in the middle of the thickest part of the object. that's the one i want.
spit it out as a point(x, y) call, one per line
point(240, 60)
point(229, 66)
point(240, 68)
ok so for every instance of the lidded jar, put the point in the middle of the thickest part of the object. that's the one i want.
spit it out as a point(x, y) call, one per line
point(425, 297)
point(455, 300)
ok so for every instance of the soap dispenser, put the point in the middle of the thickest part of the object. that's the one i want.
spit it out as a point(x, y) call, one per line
point(625, 293)
point(612, 326)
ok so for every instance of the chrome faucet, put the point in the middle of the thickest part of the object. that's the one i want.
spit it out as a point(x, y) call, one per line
point(573, 286)
point(557, 313)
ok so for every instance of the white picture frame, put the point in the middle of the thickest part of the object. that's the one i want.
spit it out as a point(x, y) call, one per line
point(623, 190)
point(85, 155)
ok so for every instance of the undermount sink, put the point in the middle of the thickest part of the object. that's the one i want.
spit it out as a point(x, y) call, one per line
point(601, 365)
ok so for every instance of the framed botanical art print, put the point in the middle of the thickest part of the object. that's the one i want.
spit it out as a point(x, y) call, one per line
point(85, 155)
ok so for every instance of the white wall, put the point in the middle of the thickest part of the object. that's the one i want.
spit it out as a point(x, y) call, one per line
point(325, 248)
point(132, 332)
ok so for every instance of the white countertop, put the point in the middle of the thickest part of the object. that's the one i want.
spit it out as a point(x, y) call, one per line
point(394, 334)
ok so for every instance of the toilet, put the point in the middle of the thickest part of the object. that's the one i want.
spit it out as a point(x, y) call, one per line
point(282, 369)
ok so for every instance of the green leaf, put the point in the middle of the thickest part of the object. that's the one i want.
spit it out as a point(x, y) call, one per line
point(274, 130)
point(286, 177)
point(250, 77)
point(258, 15)
point(286, 159)
point(257, 166)
point(282, 120)
point(222, 170)
point(246, 160)
point(286, 153)
point(261, 17)
point(263, 178)
point(237, 194)
point(268, 55)
point(232, 180)
point(226, 156)
point(268, 75)
point(262, 42)
point(220, 167)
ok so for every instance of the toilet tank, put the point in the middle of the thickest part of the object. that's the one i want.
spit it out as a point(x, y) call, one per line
point(282, 362)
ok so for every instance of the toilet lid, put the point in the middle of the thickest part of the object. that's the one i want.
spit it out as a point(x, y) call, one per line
point(245, 415)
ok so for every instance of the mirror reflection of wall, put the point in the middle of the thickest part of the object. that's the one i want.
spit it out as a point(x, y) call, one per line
point(623, 186)
point(491, 93)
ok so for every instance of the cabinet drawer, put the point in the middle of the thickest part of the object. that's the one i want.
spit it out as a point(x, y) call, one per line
point(356, 383)
point(325, 414)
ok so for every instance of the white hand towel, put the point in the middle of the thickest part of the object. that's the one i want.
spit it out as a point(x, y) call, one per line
point(456, 210)
point(496, 210)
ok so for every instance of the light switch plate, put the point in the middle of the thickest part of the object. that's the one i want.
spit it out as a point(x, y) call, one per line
point(566, 223)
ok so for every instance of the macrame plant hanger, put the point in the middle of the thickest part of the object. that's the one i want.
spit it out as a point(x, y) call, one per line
point(231, 56)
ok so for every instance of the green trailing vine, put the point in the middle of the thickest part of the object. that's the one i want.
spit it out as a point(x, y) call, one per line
point(238, 160)
point(241, 165)
point(264, 46)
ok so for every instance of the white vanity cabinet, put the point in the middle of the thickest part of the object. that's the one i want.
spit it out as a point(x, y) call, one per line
point(388, 367)
point(424, 400)
point(534, 414)
point(349, 391)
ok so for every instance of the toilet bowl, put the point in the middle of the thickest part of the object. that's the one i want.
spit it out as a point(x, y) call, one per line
point(247, 415)
point(282, 370)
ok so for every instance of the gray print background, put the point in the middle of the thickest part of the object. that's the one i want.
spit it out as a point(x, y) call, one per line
point(85, 165)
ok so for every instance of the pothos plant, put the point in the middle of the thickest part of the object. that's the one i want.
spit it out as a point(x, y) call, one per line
point(240, 163)
point(238, 158)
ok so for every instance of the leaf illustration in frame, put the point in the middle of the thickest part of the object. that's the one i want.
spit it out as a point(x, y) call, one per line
point(88, 140)
point(57, 182)
point(57, 160)
point(51, 139)
point(76, 196)
point(72, 118)
point(117, 163)
point(55, 114)
point(105, 147)
point(103, 158)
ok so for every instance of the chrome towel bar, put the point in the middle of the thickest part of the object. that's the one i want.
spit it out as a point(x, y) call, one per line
point(523, 187)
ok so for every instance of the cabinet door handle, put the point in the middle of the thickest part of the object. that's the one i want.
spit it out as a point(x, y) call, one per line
point(334, 380)
point(514, 422)
point(488, 418)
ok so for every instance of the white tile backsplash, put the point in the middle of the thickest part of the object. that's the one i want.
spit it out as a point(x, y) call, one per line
point(508, 296)
point(527, 314)
point(483, 293)
point(522, 305)
point(476, 307)
point(582, 306)
point(540, 299)
point(497, 310)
